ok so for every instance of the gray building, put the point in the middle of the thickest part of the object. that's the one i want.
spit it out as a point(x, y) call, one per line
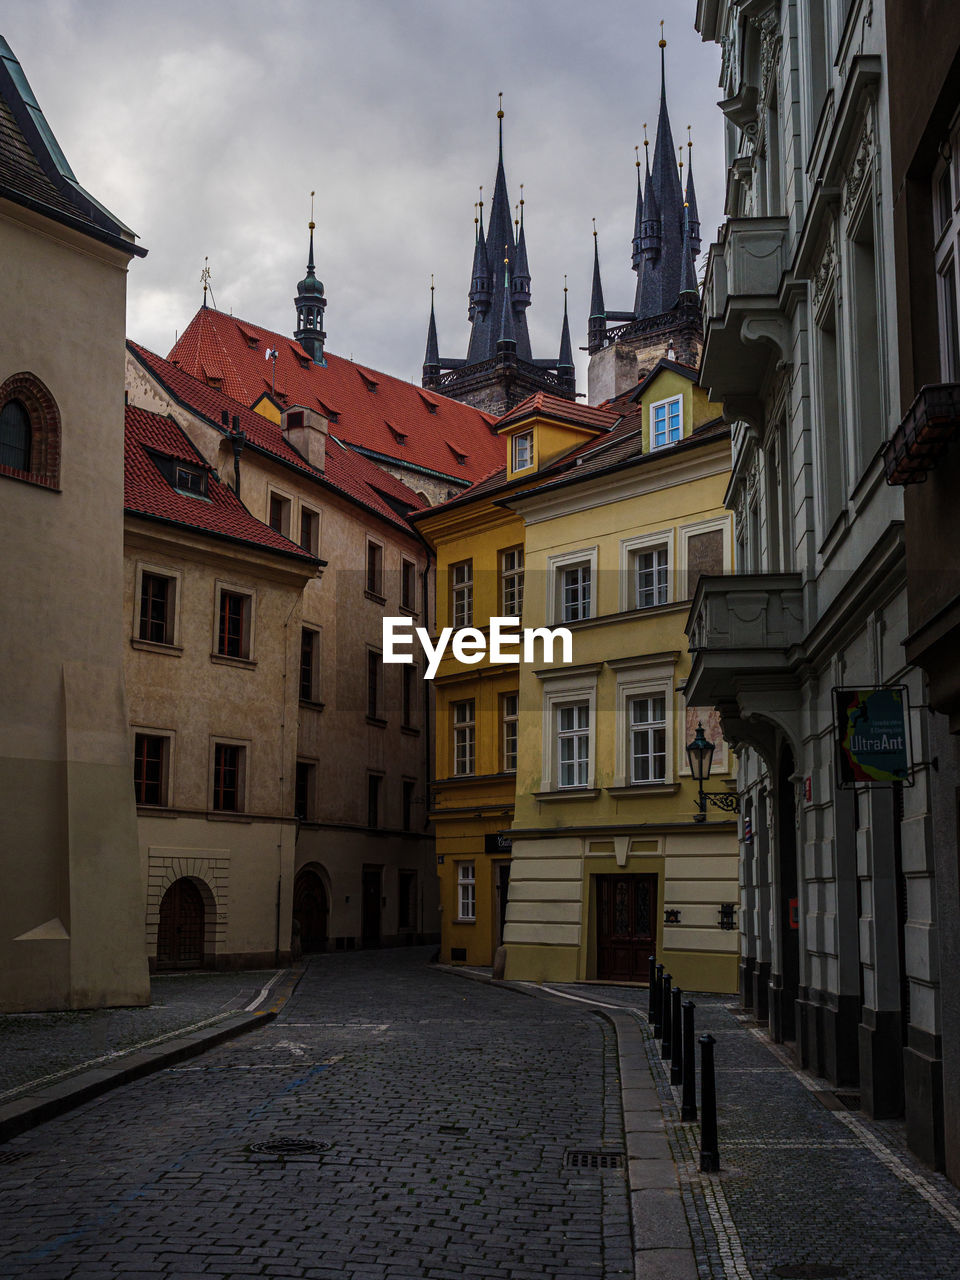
point(838, 897)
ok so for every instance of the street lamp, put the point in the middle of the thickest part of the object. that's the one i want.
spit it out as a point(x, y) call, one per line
point(700, 755)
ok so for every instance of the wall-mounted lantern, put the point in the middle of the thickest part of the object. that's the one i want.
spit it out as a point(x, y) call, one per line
point(671, 915)
point(700, 755)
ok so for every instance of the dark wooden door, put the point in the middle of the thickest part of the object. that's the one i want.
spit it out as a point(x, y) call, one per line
point(626, 926)
point(503, 890)
point(181, 927)
point(310, 911)
point(370, 907)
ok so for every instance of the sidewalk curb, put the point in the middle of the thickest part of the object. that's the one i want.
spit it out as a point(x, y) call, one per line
point(35, 1108)
point(662, 1245)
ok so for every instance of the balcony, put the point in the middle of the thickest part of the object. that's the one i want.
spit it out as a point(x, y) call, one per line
point(742, 630)
point(743, 325)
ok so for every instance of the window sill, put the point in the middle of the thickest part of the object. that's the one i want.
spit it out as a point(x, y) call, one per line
point(221, 815)
point(459, 920)
point(156, 646)
point(411, 730)
point(225, 660)
point(635, 790)
point(28, 477)
point(155, 811)
point(311, 704)
point(569, 793)
point(377, 722)
point(409, 610)
point(373, 595)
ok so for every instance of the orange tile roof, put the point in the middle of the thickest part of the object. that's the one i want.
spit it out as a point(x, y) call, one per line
point(541, 402)
point(370, 406)
point(346, 471)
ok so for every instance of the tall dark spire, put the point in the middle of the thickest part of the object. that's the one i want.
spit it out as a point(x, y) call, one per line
point(520, 280)
point(480, 283)
point(658, 289)
point(690, 196)
point(689, 292)
point(566, 346)
point(597, 322)
point(431, 360)
point(310, 304)
point(637, 254)
point(507, 340)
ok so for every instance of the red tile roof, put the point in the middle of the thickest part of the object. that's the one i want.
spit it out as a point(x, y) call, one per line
point(148, 493)
point(368, 404)
point(548, 406)
point(346, 471)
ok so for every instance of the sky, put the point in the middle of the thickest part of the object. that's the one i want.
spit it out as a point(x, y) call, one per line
point(204, 126)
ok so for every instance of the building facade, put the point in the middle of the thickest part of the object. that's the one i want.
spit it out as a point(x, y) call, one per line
point(71, 920)
point(838, 886)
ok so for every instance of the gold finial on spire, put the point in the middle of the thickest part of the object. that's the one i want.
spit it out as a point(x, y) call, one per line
point(689, 138)
point(476, 218)
point(481, 195)
point(637, 150)
point(205, 277)
point(564, 282)
point(506, 258)
point(312, 223)
point(680, 152)
point(663, 43)
point(431, 282)
point(521, 195)
point(646, 140)
point(594, 228)
point(500, 110)
point(516, 216)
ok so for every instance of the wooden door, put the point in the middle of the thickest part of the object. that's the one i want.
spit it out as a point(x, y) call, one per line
point(310, 909)
point(181, 927)
point(626, 926)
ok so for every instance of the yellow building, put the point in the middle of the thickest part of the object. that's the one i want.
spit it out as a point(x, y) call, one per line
point(609, 861)
point(480, 574)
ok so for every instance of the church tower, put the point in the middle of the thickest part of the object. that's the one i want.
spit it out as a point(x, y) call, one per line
point(310, 304)
point(499, 370)
point(625, 345)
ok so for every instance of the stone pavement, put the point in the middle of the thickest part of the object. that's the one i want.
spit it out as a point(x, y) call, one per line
point(443, 1115)
point(804, 1191)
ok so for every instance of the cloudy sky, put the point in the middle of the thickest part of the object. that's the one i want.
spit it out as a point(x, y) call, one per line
point(204, 125)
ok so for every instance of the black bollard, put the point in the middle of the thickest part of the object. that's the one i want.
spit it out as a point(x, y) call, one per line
point(688, 1105)
point(653, 988)
point(667, 1020)
point(658, 1004)
point(709, 1155)
point(676, 1039)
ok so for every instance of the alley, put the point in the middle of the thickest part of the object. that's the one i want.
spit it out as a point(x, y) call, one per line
point(441, 1111)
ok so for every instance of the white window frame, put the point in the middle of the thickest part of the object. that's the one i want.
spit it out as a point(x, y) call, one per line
point(158, 571)
point(467, 892)
point(578, 733)
point(638, 727)
point(661, 404)
point(526, 437)
point(630, 548)
point(509, 720)
point(464, 731)
point(586, 556)
point(560, 689)
point(688, 531)
point(648, 677)
point(464, 602)
point(513, 576)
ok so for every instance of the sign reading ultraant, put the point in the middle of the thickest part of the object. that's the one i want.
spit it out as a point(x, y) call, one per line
point(872, 741)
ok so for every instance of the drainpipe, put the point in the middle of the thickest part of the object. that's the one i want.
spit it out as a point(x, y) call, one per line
point(237, 439)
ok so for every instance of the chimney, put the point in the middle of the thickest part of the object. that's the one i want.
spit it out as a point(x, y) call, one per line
point(306, 430)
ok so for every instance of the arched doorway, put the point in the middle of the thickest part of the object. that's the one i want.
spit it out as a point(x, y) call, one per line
point(310, 909)
point(180, 931)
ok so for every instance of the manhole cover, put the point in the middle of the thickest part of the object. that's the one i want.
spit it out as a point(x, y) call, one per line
point(809, 1271)
point(11, 1157)
point(288, 1147)
point(593, 1160)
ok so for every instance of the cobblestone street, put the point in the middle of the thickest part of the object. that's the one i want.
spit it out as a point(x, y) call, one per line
point(447, 1105)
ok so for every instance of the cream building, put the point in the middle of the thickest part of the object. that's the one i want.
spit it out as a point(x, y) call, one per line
point(71, 913)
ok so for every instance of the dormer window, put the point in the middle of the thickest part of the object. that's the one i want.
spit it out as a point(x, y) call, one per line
point(523, 450)
point(666, 422)
point(190, 480)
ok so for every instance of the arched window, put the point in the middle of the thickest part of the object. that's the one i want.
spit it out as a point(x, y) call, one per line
point(15, 436)
point(29, 431)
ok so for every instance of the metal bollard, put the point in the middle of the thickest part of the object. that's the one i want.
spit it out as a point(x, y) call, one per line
point(667, 1019)
point(658, 1004)
point(688, 1104)
point(653, 988)
point(709, 1155)
point(676, 1039)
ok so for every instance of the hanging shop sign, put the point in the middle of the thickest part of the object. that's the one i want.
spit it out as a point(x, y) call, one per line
point(872, 736)
point(497, 843)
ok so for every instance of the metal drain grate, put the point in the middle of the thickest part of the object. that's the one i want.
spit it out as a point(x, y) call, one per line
point(593, 1160)
point(288, 1147)
point(11, 1157)
point(849, 1101)
point(809, 1271)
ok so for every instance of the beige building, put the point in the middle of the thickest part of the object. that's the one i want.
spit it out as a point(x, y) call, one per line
point(212, 605)
point(71, 912)
point(363, 866)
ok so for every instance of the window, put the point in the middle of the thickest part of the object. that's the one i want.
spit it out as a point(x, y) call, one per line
point(407, 900)
point(150, 765)
point(466, 891)
point(228, 764)
point(523, 450)
point(575, 586)
point(509, 703)
point(156, 608)
point(304, 791)
point(573, 744)
point(233, 633)
point(189, 479)
point(409, 786)
point(408, 585)
point(648, 739)
point(29, 430)
point(511, 582)
point(651, 567)
point(409, 696)
point(375, 569)
point(309, 665)
point(462, 593)
point(279, 514)
point(464, 737)
point(374, 685)
point(310, 531)
point(666, 426)
point(373, 799)
point(947, 241)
